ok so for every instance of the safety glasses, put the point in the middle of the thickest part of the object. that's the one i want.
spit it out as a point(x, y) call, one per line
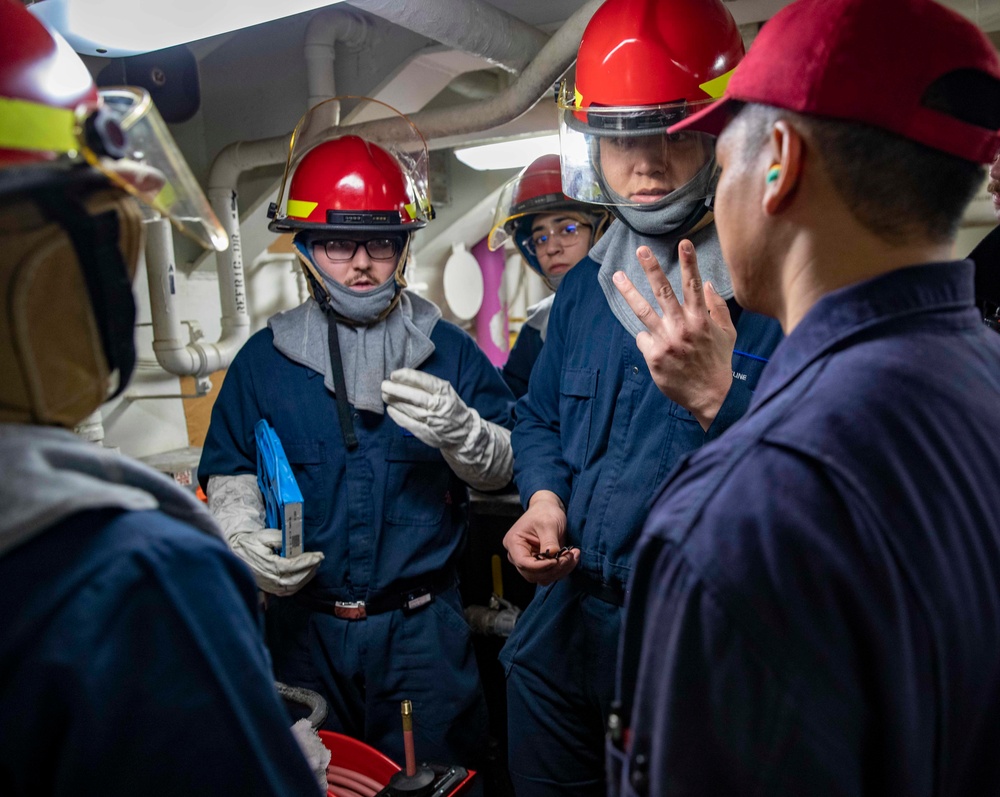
point(565, 234)
point(340, 251)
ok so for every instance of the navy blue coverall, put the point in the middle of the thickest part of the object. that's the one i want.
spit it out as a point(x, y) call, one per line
point(390, 517)
point(594, 429)
point(816, 600)
point(131, 662)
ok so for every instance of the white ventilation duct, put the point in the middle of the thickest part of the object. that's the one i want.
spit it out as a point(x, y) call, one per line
point(471, 26)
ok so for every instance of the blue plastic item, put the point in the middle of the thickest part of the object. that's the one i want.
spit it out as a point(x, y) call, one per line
point(282, 497)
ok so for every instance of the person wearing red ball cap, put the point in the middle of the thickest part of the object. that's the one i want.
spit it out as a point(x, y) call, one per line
point(816, 597)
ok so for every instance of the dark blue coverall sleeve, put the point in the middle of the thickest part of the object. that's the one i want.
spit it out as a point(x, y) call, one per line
point(723, 706)
point(132, 663)
point(539, 463)
point(230, 447)
point(517, 370)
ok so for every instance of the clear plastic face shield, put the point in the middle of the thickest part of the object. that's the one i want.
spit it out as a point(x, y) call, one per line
point(623, 156)
point(407, 146)
point(128, 141)
point(525, 195)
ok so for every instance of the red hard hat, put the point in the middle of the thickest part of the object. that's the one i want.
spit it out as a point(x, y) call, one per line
point(536, 189)
point(348, 184)
point(651, 52)
point(538, 185)
point(43, 84)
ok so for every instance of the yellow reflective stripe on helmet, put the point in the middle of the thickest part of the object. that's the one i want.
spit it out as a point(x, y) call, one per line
point(716, 87)
point(30, 126)
point(577, 98)
point(411, 210)
point(300, 209)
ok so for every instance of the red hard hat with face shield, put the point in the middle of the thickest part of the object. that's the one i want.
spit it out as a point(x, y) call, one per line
point(537, 190)
point(73, 161)
point(642, 66)
point(348, 187)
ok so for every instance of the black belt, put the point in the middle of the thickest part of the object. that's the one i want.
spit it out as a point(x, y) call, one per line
point(602, 590)
point(408, 600)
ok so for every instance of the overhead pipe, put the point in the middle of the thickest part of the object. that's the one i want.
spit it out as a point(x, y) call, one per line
point(471, 26)
point(327, 27)
point(534, 82)
point(172, 353)
point(554, 58)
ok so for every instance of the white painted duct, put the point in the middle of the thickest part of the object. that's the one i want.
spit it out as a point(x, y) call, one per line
point(326, 28)
point(472, 26)
point(172, 352)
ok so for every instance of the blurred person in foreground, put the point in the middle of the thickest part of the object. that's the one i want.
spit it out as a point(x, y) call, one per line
point(131, 660)
point(816, 597)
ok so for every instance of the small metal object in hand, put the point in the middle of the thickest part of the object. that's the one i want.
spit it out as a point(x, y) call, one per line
point(554, 554)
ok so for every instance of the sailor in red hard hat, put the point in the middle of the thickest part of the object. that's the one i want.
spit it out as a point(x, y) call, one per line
point(553, 233)
point(387, 415)
point(130, 649)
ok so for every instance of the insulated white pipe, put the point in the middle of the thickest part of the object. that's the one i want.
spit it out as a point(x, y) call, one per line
point(472, 26)
point(534, 82)
point(327, 27)
point(172, 353)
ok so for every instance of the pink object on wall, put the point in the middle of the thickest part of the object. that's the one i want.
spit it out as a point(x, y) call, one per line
point(492, 329)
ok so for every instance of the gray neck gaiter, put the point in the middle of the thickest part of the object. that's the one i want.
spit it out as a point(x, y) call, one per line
point(538, 315)
point(616, 252)
point(371, 350)
point(658, 227)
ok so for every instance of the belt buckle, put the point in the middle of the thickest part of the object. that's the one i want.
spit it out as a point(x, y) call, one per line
point(350, 610)
point(416, 600)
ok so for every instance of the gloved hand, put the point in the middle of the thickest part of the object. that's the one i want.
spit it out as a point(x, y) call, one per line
point(273, 573)
point(316, 753)
point(477, 451)
point(237, 505)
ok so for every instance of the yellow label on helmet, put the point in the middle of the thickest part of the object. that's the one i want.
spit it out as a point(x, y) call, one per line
point(300, 209)
point(411, 210)
point(34, 127)
point(577, 98)
point(716, 87)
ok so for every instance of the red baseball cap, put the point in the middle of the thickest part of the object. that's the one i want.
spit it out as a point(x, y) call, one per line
point(866, 61)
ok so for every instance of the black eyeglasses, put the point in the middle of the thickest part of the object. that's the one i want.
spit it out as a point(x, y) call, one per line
point(564, 234)
point(377, 248)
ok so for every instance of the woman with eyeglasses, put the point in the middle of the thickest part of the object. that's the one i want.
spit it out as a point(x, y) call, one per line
point(386, 413)
point(553, 234)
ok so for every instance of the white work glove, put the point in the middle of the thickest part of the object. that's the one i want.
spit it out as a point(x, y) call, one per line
point(316, 753)
point(237, 505)
point(477, 451)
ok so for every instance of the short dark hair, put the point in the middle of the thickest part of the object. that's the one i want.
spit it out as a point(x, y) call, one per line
point(894, 187)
